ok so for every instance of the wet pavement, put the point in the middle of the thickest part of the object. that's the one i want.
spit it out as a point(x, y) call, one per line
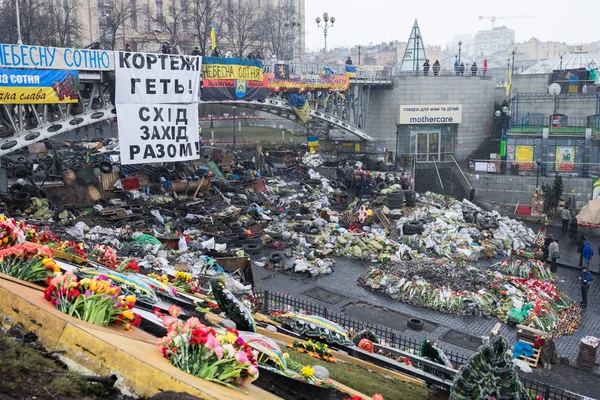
point(342, 287)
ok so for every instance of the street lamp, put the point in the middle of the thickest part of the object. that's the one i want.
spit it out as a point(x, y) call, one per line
point(561, 56)
point(233, 109)
point(359, 54)
point(512, 72)
point(538, 162)
point(459, 50)
point(19, 40)
point(327, 23)
point(417, 37)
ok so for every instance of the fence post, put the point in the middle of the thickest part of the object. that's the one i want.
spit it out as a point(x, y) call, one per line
point(324, 312)
point(266, 301)
point(547, 392)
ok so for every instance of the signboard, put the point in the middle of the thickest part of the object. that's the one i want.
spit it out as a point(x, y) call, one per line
point(34, 57)
point(157, 105)
point(430, 114)
point(524, 157)
point(336, 83)
point(19, 86)
point(232, 79)
point(596, 189)
point(565, 158)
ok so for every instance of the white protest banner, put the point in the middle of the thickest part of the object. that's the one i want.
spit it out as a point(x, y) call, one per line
point(33, 57)
point(151, 133)
point(157, 78)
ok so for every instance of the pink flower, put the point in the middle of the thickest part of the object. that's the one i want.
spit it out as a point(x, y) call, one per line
point(241, 357)
point(174, 310)
point(190, 324)
point(252, 370)
point(219, 351)
point(211, 341)
point(169, 321)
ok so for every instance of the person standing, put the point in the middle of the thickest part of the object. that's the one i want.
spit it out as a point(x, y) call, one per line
point(566, 217)
point(587, 254)
point(196, 51)
point(585, 279)
point(573, 228)
point(554, 254)
point(580, 243)
point(166, 48)
point(426, 66)
point(474, 69)
point(461, 69)
point(436, 68)
point(456, 68)
point(549, 239)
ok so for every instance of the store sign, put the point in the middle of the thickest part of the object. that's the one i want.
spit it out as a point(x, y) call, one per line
point(430, 114)
point(34, 57)
point(157, 107)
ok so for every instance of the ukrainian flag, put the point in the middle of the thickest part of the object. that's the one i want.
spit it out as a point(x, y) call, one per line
point(213, 36)
point(351, 71)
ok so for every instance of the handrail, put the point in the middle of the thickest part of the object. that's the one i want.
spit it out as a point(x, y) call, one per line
point(462, 173)
point(438, 174)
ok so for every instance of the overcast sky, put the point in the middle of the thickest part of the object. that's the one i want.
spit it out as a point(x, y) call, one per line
point(375, 21)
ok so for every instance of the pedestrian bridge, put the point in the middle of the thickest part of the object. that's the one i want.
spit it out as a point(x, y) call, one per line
point(24, 124)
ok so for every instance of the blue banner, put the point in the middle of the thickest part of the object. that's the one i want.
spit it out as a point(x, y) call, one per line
point(21, 86)
point(33, 78)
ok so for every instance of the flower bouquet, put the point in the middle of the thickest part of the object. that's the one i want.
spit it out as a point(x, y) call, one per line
point(133, 284)
point(128, 265)
point(28, 262)
point(218, 356)
point(11, 231)
point(314, 349)
point(524, 269)
point(185, 282)
point(95, 300)
point(104, 255)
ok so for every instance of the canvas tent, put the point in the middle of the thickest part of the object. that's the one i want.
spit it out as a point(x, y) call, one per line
point(590, 214)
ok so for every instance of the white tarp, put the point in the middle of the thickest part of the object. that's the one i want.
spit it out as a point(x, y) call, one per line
point(157, 107)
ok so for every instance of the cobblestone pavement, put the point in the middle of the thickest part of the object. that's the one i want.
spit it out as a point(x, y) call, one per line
point(343, 282)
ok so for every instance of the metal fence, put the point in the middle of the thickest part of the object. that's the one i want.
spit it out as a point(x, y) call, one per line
point(277, 301)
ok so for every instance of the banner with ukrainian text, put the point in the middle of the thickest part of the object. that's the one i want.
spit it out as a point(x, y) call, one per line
point(34, 57)
point(232, 79)
point(335, 83)
point(21, 86)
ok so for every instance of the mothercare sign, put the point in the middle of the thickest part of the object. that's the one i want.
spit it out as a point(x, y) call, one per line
point(430, 114)
point(157, 107)
point(40, 57)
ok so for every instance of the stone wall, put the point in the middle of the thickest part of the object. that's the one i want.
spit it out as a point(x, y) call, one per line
point(476, 94)
point(508, 189)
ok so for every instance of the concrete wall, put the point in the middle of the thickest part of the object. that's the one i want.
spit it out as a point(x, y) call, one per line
point(529, 83)
point(508, 189)
point(476, 94)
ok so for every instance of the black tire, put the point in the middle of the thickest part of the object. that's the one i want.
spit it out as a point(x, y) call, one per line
point(16, 188)
point(313, 230)
point(251, 248)
point(381, 186)
point(301, 228)
point(105, 167)
point(415, 324)
point(23, 199)
point(276, 257)
point(413, 227)
point(30, 189)
point(235, 226)
point(22, 172)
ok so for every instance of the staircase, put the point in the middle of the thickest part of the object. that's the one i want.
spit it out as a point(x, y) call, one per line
point(443, 178)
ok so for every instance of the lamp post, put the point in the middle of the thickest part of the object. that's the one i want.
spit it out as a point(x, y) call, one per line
point(233, 109)
point(538, 162)
point(359, 54)
point(327, 23)
point(292, 25)
point(459, 50)
point(19, 40)
point(561, 57)
point(417, 37)
point(512, 72)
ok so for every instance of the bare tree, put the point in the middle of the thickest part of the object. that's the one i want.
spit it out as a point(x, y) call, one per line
point(63, 17)
point(173, 22)
point(203, 14)
point(35, 26)
point(278, 31)
point(117, 18)
point(244, 28)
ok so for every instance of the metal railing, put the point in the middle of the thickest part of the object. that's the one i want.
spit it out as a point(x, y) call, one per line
point(337, 69)
point(277, 301)
point(556, 123)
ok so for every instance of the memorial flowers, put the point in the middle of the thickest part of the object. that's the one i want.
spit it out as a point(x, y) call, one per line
point(28, 262)
point(185, 282)
point(314, 349)
point(105, 255)
point(218, 356)
point(95, 300)
point(11, 231)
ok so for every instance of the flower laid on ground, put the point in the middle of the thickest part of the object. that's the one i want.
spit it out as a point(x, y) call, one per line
point(28, 262)
point(11, 231)
point(217, 356)
point(69, 247)
point(104, 255)
point(160, 278)
point(128, 265)
point(185, 282)
point(307, 371)
point(531, 268)
point(95, 300)
point(314, 349)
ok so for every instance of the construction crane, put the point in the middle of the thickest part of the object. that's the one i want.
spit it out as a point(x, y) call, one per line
point(493, 18)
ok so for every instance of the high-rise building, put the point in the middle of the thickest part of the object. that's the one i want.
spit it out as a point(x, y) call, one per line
point(536, 50)
point(493, 41)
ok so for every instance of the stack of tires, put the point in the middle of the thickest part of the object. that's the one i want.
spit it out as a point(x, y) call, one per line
point(410, 197)
point(395, 199)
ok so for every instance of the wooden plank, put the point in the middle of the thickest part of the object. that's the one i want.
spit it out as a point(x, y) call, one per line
point(496, 329)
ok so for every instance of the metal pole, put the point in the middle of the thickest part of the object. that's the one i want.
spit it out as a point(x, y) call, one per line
point(19, 40)
point(512, 72)
point(325, 34)
point(234, 127)
point(358, 55)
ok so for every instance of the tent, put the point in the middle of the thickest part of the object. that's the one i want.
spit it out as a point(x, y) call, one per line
point(590, 214)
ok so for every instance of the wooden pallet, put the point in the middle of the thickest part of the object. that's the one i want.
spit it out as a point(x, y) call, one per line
point(533, 360)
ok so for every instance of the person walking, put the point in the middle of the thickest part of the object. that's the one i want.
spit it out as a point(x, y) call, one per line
point(436, 68)
point(426, 66)
point(580, 244)
point(554, 254)
point(566, 217)
point(573, 228)
point(474, 69)
point(587, 254)
point(585, 278)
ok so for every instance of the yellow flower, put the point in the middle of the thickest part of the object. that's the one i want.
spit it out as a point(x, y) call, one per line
point(47, 261)
point(128, 314)
point(5, 240)
point(127, 326)
point(307, 371)
point(130, 299)
point(56, 268)
point(230, 337)
point(286, 356)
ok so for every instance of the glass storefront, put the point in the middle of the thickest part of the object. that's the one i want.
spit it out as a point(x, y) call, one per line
point(427, 143)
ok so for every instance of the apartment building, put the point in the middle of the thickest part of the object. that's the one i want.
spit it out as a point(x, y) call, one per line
point(493, 41)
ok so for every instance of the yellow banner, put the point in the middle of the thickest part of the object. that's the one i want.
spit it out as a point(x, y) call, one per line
point(31, 95)
point(231, 71)
point(524, 157)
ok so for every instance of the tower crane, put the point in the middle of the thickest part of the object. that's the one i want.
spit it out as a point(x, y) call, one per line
point(493, 18)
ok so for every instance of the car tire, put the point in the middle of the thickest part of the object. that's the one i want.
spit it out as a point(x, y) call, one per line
point(105, 167)
point(415, 324)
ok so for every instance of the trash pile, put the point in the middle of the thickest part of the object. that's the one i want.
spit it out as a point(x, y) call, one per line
point(462, 230)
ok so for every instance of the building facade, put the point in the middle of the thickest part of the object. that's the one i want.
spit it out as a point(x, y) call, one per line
point(536, 50)
point(493, 41)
